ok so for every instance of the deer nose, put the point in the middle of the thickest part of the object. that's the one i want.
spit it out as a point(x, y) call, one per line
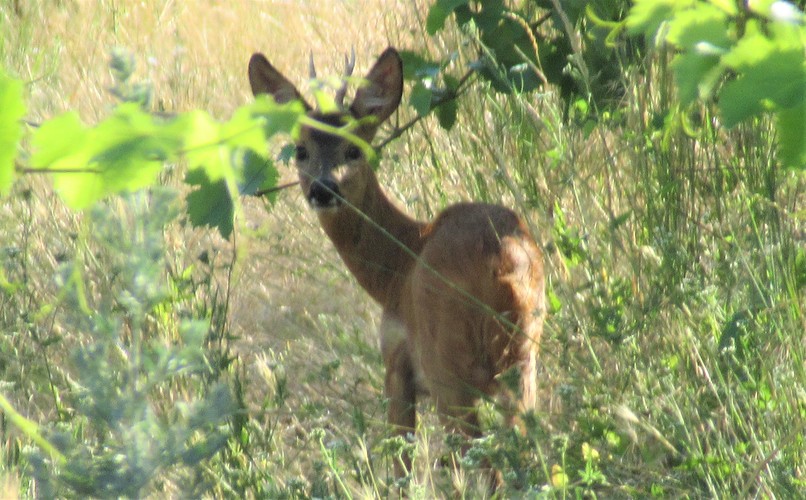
point(324, 193)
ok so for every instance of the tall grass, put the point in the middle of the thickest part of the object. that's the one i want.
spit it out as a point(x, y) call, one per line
point(674, 353)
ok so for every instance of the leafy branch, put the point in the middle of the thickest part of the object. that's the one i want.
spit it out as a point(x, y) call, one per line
point(444, 102)
point(748, 57)
point(128, 150)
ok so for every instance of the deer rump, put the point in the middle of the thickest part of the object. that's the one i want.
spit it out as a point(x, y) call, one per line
point(471, 312)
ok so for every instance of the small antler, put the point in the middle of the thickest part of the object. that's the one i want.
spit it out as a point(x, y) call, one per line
point(311, 67)
point(349, 66)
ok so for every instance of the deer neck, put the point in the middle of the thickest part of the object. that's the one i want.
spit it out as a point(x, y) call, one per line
point(375, 239)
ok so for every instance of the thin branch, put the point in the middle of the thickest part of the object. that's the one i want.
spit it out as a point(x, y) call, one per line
point(28, 170)
point(452, 96)
point(263, 192)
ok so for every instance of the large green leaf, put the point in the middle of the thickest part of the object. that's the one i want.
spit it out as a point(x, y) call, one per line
point(12, 109)
point(446, 113)
point(256, 172)
point(703, 25)
point(60, 144)
point(211, 204)
point(696, 75)
point(244, 130)
point(439, 12)
point(769, 75)
point(122, 153)
point(65, 144)
point(202, 147)
point(130, 148)
point(80, 189)
point(277, 118)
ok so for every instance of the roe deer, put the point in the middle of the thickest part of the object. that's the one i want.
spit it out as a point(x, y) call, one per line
point(462, 296)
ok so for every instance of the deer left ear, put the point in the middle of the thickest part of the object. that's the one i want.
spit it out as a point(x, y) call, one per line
point(383, 88)
point(264, 79)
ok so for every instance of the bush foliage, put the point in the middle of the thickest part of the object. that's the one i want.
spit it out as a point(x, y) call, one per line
point(659, 146)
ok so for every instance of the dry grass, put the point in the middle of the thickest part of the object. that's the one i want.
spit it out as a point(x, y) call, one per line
point(195, 55)
point(694, 250)
point(291, 299)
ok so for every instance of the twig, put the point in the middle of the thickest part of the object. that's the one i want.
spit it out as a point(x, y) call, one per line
point(263, 192)
point(452, 96)
point(77, 170)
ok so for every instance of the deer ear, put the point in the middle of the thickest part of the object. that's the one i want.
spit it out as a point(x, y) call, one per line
point(264, 79)
point(383, 87)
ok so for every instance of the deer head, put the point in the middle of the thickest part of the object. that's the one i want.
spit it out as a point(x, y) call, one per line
point(333, 170)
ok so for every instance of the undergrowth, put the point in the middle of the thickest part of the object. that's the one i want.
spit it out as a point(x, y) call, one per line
point(162, 362)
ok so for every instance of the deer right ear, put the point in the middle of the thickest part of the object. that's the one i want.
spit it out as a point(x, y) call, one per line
point(264, 79)
point(383, 87)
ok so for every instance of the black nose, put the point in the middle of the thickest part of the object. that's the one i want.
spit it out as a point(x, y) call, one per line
point(324, 193)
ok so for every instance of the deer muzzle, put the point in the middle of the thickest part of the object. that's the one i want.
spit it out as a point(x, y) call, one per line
point(324, 193)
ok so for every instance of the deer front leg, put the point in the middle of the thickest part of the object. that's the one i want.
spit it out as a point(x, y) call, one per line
point(399, 386)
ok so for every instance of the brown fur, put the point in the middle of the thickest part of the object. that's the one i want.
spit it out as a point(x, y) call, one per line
point(462, 296)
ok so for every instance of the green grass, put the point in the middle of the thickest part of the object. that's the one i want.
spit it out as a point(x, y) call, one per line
point(673, 359)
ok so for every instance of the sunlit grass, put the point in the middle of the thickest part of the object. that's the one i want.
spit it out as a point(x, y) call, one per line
point(675, 347)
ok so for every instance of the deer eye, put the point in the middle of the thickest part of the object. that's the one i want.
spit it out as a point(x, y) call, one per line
point(302, 153)
point(353, 153)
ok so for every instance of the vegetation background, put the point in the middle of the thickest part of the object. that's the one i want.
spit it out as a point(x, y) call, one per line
point(673, 357)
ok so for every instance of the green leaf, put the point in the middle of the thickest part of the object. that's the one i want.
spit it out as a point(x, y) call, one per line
point(287, 153)
point(439, 12)
point(122, 153)
point(325, 101)
point(705, 24)
point(791, 128)
point(63, 143)
point(130, 148)
point(201, 144)
point(277, 118)
point(738, 102)
point(80, 190)
point(60, 143)
point(770, 75)
point(555, 304)
point(211, 204)
point(257, 172)
point(244, 130)
point(416, 66)
point(646, 16)
point(420, 99)
point(12, 109)
point(446, 113)
point(695, 75)
point(209, 145)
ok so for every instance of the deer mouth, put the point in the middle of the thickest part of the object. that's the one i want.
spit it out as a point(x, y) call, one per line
point(324, 194)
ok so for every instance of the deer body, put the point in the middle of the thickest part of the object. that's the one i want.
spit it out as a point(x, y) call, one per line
point(462, 295)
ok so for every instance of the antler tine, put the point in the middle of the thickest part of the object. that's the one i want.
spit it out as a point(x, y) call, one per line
point(311, 67)
point(349, 66)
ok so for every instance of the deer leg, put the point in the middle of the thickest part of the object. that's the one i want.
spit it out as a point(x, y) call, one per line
point(400, 391)
point(517, 400)
point(399, 386)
